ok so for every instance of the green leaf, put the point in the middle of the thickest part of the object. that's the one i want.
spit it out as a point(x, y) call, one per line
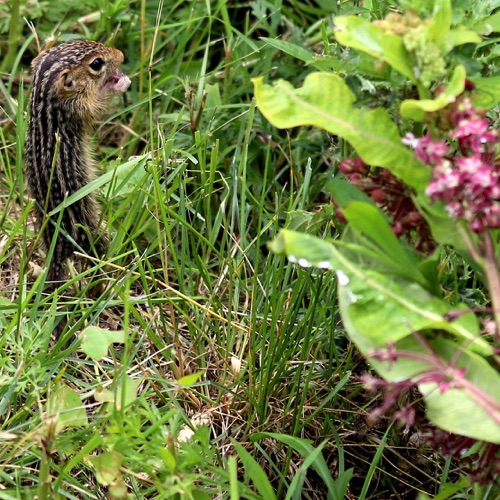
point(122, 395)
point(374, 464)
point(325, 101)
point(66, 405)
point(443, 230)
point(255, 472)
point(310, 222)
point(416, 109)
point(295, 489)
point(380, 308)
point(96, 341)
point(304, 448)
point(107, 466)
point(460, 36)
point(191, 379)
point(487, 92)
point(214, 99)
point(344, 192)
point(368, 219)
point(122, 172)
point(464, 411)
point(125, 180)
point(367, 37)
point(385, 309)
point(306, 250)
point(291, 49)
point(455, 410)
point(439, 26)
point(488, 24)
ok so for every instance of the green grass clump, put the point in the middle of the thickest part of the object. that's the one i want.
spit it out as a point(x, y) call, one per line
point(217, 369)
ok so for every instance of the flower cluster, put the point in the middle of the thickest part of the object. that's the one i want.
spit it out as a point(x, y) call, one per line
point(429, 64)
point(466, 173)
point(392, 196)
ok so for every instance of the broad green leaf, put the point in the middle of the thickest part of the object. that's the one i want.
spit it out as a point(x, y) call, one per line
point(168, 458)
point(305, 448)
point(104, 395)
point(458, 411)
point(416, 109)
point(342, 483)
point(385, 309)
point(381, 308)
point(66, 405)
point(214, 99)
point(291, 49)
point(455, 410)
point(488, 24)
point(305, 249)
point(429, 267)
point(344, 192)
point(460, 36)
point(448, 490)
point(122, 171)
point(96, 341)
point(325, 101)
point(296, 486)
point(255, 472)
point(367, 37)
point(126, 181)
point(443, 229)
point(122, 395)
point(310, 222)
point(463, 410)
point(126, 392)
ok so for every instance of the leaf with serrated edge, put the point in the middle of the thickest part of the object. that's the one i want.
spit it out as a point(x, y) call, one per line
point(326, 102)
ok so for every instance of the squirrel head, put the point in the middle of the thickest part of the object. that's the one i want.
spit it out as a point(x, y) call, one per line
point(79, 77)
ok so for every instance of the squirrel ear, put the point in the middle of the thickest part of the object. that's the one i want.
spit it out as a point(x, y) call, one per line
point(68, 81)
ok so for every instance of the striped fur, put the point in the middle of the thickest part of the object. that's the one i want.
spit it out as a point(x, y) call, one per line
point(70, 93)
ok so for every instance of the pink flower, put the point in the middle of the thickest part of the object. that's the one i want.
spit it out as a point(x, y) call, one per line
point(469, 164)
point(430, 151)
point(467, 176)
point(472, 126)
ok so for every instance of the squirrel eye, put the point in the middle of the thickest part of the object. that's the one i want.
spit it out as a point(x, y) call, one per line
point(97, 64)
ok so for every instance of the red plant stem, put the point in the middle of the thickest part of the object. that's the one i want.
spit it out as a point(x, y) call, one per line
point(493, 277)
point(489, 264)
point(438, 370)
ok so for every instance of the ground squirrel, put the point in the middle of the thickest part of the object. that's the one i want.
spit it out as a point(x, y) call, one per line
point(72, 84)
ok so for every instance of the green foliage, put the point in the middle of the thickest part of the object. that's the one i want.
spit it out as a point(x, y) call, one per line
point(325, 101)
point(314, 458)
point(385, 295)
point(96, 341)
point(398, 307)
point(193, 363)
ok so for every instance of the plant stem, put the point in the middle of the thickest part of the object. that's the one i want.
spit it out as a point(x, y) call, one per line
point(493, 277)
point(14, 32)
